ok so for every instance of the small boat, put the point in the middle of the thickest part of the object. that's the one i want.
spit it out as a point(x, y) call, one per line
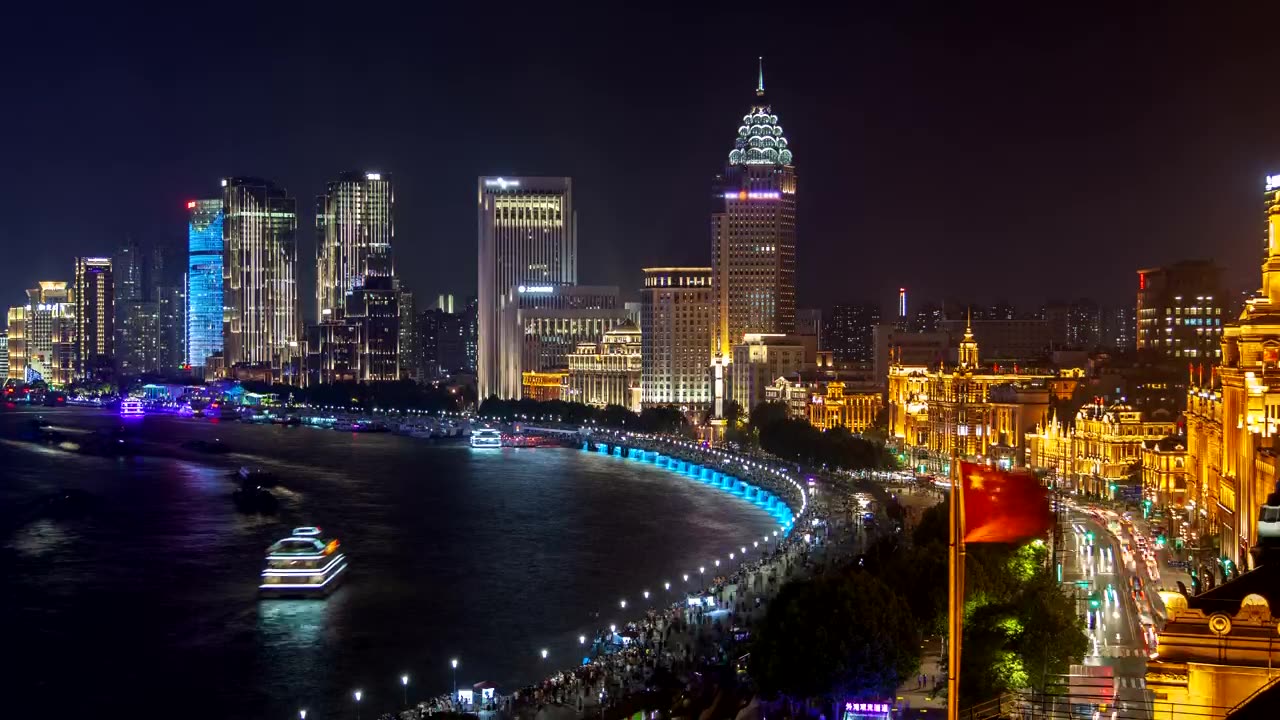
point(131, 407)
point(305, 564)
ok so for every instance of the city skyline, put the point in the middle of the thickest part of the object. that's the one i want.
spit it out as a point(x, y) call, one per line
point(1038, 156)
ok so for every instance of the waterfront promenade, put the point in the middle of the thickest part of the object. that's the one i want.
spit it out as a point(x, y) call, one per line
point(687, 652)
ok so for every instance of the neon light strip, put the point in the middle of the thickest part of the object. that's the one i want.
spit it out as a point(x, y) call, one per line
point(294, 586)
point(292, 571)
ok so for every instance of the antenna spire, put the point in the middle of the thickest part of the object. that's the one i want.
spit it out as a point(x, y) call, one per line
point(760, 83)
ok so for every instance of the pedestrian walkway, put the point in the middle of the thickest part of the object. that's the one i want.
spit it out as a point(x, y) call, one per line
point(927, 690)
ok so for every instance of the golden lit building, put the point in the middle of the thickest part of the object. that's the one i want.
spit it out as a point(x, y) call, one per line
point(836, 407)
point(966, 410)
point(607, 372)
point(42, 335)
point(1099, 449)
point(1232, 421)
point(1217, 649)
point(1164, 472)
point(551, 385)
point(909, 404)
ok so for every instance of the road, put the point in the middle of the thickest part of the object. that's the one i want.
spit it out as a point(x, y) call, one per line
point(1106, 568)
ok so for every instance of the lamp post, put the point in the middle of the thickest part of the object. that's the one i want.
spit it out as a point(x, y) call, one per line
point(544, 653)
point(358, 694)
point(454, 664)
point(404, 683)
point(302, 714)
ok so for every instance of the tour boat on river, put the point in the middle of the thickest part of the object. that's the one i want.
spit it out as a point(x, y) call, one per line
point(305, 564)
point(486, 438)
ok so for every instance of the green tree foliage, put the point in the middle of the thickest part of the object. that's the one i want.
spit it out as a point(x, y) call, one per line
point(839, 635)
point(795, 439)
point(392, 395)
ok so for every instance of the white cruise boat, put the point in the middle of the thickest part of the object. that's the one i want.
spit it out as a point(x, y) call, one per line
point(305, 564)
point(486, 438)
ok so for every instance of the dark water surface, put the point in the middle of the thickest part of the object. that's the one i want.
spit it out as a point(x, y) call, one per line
point(148, 607)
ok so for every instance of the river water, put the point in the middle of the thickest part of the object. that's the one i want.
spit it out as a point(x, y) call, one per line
point(146, 606)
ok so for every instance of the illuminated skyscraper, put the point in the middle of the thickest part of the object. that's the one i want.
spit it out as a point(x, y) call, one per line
point(259, 273)
point(676, 317)
point(42, 335)
point(528, 237)
point(355, 227)
point(204, 281)
point(95, 315)
point(753, 234)
point(1180, 311)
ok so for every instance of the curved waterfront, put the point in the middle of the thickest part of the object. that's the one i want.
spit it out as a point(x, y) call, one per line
point(488, 556)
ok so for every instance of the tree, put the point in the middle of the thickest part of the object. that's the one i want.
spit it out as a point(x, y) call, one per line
point(843, 635)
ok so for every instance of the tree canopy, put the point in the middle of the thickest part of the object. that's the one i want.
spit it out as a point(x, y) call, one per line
point(795, 439)
point(842, 635)
point(650, 420)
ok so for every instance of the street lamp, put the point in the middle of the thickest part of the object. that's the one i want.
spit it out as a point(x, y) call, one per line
point(302, 714)
point(454, 664)
point(646, 594)
point(666, 586)
point(404, 681)
point(582, 639)
point(544, 653)
point(702, 570)
point(686, 577)
point(358, 694)
point(624, 604)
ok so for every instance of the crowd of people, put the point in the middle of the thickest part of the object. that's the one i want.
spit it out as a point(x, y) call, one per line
point(676, 647)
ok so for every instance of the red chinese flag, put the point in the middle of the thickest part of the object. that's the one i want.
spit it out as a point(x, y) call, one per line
point(1002, 506)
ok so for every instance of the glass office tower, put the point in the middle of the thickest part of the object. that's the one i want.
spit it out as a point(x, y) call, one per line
point(204, 280)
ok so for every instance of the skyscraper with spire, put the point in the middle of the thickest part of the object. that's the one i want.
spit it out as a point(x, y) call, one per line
point(753, 235)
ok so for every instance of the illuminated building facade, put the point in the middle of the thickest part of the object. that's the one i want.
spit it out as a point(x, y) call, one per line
point(753, 237)
point(138, 333)
point(544, 386)
point(261, 322)
point(833, 407)
point(540, 325)
point(95, 315)
point(333, 352)
point(1100, 449)
point(759, 360)
point(966, 410)
point(1218, 650)
point(1180, 309)
point(676, 318)
point(204, 281)
point(355, 230)
point(1164, 472)
point(4, 354)
point(528, 237)
point(607, 372)
point(374, 306)
point(42, 335)
point(410, 351)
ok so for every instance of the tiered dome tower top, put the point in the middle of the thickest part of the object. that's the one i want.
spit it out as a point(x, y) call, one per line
point(760, 139)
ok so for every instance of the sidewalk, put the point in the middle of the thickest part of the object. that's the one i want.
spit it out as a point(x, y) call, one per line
point(911, 694)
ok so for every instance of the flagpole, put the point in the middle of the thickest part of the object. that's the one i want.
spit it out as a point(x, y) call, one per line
point(955, 614)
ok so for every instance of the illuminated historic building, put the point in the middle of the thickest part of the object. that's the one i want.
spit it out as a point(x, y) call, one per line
point(1218, 650)
point(261, 322)
point(759, 360)
point(835, 407)
point(1233, 415)
point(540, 325)
point(968, 410)
point(95, 313)
point(676, 318)
point(607, 372)
point(355, 230)
point(528, 238)
point(42, 335)
point(543, 386)
point(753, 236)
point(1180, 310)
point(1164, 472)
point(1100, 449)
point(204, 281)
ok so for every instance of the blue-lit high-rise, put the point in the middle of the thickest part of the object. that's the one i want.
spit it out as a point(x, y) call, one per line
point(204, 280)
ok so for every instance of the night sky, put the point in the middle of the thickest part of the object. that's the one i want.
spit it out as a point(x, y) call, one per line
point(1024, 152)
